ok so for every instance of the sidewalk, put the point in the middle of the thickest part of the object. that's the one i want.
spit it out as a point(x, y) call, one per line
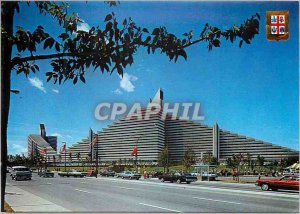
point(22, 201)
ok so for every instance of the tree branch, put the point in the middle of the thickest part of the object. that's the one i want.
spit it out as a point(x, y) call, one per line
point(17, 60)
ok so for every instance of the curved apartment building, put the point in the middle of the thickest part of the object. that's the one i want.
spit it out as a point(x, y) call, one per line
point(117, 141)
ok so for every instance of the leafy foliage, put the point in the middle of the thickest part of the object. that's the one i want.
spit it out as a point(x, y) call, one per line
point(163, 158)
point(208, 158)
point(111, 48)
point(189, 158)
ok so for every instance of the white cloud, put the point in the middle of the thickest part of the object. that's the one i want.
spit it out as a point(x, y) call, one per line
point(36, 82)
point(18, 149)
point(56, 134)
point(118, 91)
point(83, 26)
point(126, 82)
point(55, 91)
point(63, 136)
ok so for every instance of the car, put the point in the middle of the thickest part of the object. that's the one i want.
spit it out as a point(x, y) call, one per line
point(157, 175)
point(46, 174)
point(108, 173)
point(72, 173)
point(178, 177)
point(286, 182)
point(91, 173)
point(19, 173)
point(130, 175)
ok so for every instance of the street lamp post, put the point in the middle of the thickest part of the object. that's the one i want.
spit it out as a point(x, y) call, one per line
point(96, 138)
point(65, 156)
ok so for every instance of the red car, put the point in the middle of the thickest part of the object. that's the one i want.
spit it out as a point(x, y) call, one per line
point(91, 173)
point(286, 182)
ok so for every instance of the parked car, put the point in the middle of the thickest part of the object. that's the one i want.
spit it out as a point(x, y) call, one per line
point(157, 175)
point(46, 174)
point(130, 175)
point(72, 173)
point(286, 182)
point(108, 173)
point(19, 173)
point(91, 173)
point(179, 177)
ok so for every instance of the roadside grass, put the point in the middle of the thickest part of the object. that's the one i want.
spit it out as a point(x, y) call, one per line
point(8, 208)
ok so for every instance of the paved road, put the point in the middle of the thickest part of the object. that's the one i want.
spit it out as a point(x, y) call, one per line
point(117, 195)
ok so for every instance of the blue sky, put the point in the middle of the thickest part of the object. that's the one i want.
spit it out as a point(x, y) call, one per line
point(251, 90)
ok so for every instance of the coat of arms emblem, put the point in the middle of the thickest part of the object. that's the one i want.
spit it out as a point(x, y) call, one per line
point(277, 25)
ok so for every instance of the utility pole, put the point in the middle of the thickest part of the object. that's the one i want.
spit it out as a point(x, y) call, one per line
point(65, 156)
point(136, 158)
point(96, 136)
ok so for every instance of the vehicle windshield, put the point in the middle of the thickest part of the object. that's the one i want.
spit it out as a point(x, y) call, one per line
point(21, 169)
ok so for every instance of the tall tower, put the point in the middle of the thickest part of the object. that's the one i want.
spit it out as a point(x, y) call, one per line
point(159, 97)
point(216, 141)
point(43, 131)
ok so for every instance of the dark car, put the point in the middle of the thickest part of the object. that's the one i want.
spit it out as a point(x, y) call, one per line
point(108, 173)
point(179, 177)
point(286, 182)
point(157, 175)
point(46, 174)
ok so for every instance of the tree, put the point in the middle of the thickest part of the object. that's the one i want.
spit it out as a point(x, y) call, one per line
point(163, 159)
point(107, 49)
point(189, 158)
point(70, 157)
point(208, 158)
point(234, 161)
point(260, 160)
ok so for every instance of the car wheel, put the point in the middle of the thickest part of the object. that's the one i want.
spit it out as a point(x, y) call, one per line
point(178, 181)
point(130, 178)
point(137, 178)
point(265, 187)
point(188, 182)
point(122, 177)
point(162, 180)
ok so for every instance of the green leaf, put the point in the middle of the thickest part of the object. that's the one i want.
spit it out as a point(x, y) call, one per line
point(75, 80)
point(108, 17)
point(216, 42)
point(258, 16)
point(37, 67)
point(155, 31)
point(145, 30)
point(57, 47)
point(183, 54)
point(241, 43)
point(82, 78)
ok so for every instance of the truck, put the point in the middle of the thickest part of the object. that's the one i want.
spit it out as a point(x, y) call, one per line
point(20, 173)
point(178, 177)
point(72, 173)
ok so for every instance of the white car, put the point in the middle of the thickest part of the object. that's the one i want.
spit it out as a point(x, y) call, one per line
point(19, 173)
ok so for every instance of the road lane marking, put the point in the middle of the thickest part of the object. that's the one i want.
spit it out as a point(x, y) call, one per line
point(208, 199)
point(209, 189)
point(82, 191)
point(125, 188)
point(149, 205)
point(84, 182)
point(49, 183)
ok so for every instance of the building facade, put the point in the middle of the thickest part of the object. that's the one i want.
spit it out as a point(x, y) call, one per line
point(151, 136)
